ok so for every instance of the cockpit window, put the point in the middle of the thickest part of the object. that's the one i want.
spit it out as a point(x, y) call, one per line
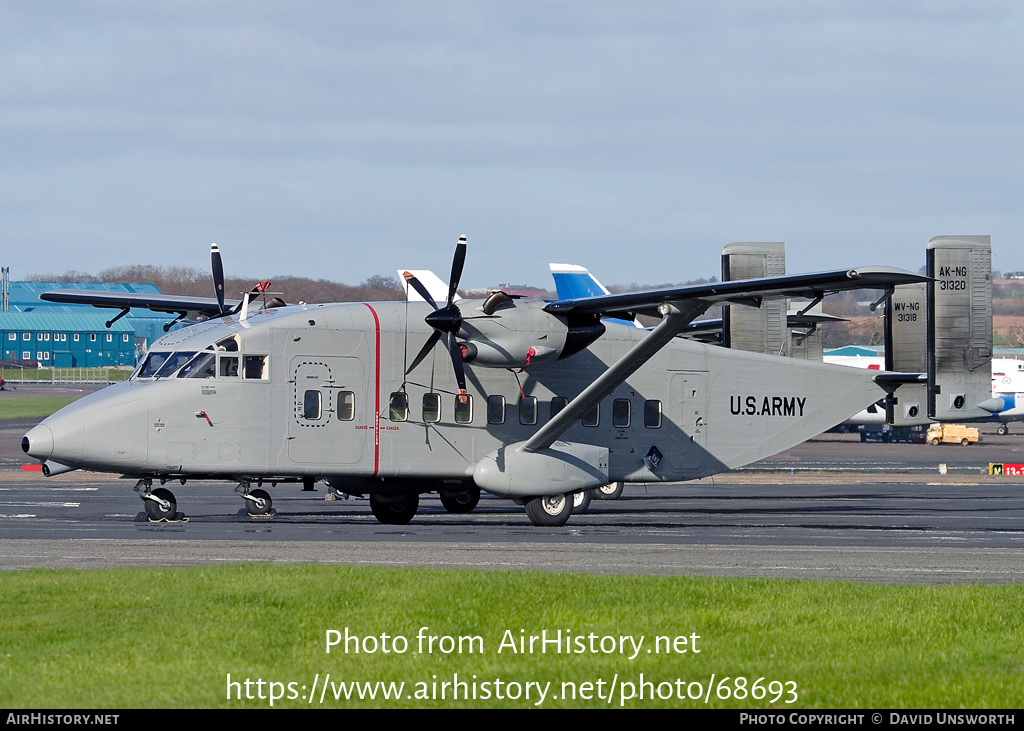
point(163, 364)
point(154, 361)
point(203, 365)
point(174, 362)
point(230, 344)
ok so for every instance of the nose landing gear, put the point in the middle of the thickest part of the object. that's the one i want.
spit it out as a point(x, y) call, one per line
point(160, 505)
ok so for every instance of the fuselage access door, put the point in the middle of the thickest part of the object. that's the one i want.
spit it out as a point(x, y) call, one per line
point(330, 408)
point(687, 411)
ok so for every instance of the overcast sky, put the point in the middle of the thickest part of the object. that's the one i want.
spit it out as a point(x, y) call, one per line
point(347, 139)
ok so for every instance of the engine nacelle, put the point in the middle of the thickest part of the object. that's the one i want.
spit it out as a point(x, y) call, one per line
point(503, 332)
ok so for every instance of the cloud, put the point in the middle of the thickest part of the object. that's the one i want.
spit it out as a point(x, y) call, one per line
point(668, 128)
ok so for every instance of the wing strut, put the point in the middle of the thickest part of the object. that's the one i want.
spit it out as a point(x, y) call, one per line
point(118, 316)
point(676, 316)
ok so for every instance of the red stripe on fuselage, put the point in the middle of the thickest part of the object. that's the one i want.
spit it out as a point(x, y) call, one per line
point(376, 393)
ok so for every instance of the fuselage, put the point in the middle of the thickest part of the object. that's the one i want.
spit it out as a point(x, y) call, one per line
point(321, 392)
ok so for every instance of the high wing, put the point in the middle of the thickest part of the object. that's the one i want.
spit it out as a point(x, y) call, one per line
point(168, 303)
point(743, 292)
point(573, 281)
point(679, 306)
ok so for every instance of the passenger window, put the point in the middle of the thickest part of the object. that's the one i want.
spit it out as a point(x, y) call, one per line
point(592, 416)
point(495, 409)
point(398, 408)
point(528, 410)
point(463, 409)
point(620, 413)
point(255, 367)
point(311, 405)
point(346, 406)
point(431, 407)
point(229, 366)
point(557, 404)
point(652, 414)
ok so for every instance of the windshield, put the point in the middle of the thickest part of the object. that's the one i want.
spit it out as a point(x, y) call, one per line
point(151, 364)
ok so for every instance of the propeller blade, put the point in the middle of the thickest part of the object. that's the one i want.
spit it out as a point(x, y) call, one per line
point(218, 276)
point(457, 264)
point(460, 371)
point(420, 289)
point(431, 341)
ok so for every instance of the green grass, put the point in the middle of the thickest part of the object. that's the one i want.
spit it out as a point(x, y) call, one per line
point(169, 637)
point(13, 407)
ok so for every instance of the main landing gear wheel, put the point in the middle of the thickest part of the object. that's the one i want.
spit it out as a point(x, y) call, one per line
point(581, 501)
point(164, 507)
point(461, 502)
point(394, 509)
point(1002, 430)
point(258, 502)
point(551, 510)
point(611, 491)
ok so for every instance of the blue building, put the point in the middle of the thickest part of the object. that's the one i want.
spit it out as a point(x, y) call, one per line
point(63, 340)
point(148, 326)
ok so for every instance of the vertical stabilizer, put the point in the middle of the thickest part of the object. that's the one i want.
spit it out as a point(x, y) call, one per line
point(906, 351)
point(762, 329)
point(959, 333)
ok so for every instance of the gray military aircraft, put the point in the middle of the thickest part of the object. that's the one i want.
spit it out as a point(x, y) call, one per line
point(527, 399)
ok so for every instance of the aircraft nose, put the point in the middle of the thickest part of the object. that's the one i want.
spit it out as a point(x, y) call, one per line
point(38, 443)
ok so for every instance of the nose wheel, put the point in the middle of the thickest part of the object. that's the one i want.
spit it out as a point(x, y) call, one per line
point(160, 504)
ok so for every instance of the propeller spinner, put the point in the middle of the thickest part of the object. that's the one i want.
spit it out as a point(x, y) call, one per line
point(446, 320)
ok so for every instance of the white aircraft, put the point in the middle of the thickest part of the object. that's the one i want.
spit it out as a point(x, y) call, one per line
point(1007, 384)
